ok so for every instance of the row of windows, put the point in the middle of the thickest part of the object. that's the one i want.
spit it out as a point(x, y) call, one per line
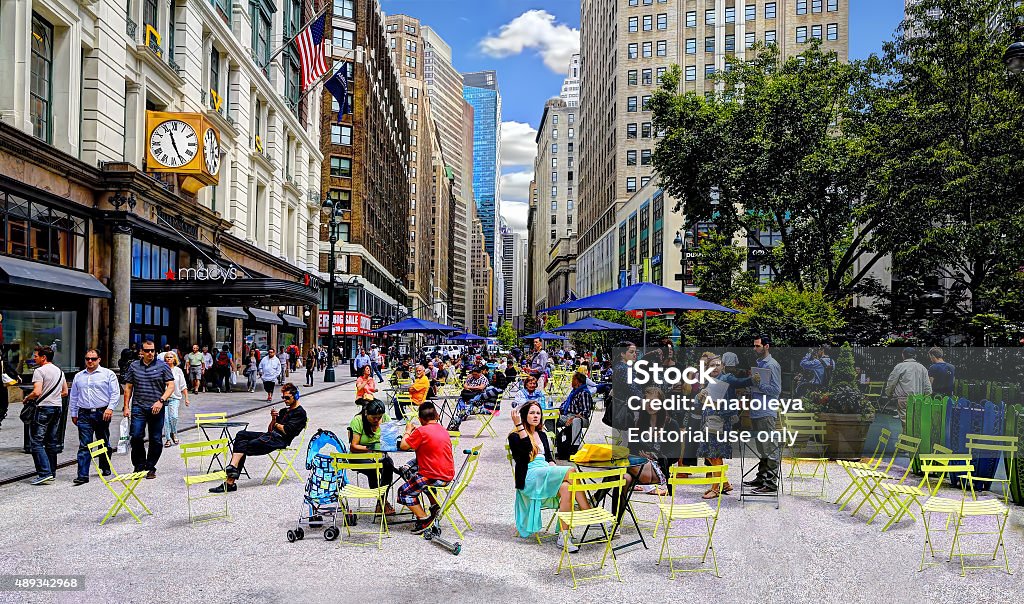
point(572, 133)
point(647, 49)
point(816, 5)
point(646, 130)
point(645, 2)
point(554, 148)
point(35, 231)
point(831, 32)
point(572, 119)
point(646, 76)
point(554, 206)
point(648, 22)
point(554, 162)
point(409, 29)
point(631, 106)
point(631, 183)
point(645, 157)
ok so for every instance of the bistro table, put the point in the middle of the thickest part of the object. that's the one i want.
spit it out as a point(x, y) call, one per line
point(633, 461)
point(225, 428)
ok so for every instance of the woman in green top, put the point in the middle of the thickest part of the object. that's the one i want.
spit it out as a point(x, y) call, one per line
point(364, 433)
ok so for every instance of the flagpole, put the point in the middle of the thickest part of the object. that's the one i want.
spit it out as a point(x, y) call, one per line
point(285, 46)
point(330, 73)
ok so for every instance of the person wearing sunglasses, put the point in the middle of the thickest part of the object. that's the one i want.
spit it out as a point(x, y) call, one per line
point(94, 394)
point(285, 425)
point(149, 384)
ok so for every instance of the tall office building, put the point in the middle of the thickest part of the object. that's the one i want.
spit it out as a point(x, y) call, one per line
point(626, 47)
point(571, 86)
point(514, 272)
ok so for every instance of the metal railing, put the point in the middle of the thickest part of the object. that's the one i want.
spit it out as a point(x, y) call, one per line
point(131, 27)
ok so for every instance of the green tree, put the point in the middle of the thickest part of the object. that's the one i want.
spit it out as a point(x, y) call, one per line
point(845, 373)
point(719, 274)
point(552, 321)
point(507, 336)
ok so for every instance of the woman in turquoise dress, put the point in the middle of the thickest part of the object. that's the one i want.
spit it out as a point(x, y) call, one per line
point(539, 482)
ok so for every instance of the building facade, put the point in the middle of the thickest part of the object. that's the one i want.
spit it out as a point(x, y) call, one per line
point(109, 232)
point(514, 273)
point(628, 45)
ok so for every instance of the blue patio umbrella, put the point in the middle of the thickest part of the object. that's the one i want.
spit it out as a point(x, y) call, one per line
point(544, 335)
point(466, 337)
point(592, 324)
point(414, 325)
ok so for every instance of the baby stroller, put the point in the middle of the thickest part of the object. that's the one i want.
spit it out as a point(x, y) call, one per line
point(321, 499)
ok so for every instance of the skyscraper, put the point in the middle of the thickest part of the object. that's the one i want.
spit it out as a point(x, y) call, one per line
point(480, 89)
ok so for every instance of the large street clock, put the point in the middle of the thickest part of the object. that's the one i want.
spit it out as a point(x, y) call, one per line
point(185, 144)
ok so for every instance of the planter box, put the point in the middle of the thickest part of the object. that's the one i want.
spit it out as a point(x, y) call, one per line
point(845, 434)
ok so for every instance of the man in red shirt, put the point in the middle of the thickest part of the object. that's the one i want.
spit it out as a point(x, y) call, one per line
point(436, 464)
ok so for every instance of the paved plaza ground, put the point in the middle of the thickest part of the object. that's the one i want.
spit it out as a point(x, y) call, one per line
point(804, 552)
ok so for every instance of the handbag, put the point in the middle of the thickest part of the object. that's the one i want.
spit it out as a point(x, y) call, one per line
point(28, 411)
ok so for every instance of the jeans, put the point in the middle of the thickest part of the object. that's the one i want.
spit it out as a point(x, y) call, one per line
point(43, 434)
point(91, 427)
point(375, 368)
point(309, 375)
point(143, 418)
point(250, 381)
point(768, 466)
point(171, 422)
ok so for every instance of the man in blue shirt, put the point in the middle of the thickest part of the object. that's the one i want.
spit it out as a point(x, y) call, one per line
point(362, 360)
point(941, 373)
point(762, 419)
point(818, 364)
point(94, 394)
point(148, 384)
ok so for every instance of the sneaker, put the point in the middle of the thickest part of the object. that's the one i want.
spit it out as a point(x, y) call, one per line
point(80, 480)
point(151, 475)
point(422, 525)
point(43, 480)
point(753, 483)
point(232, 471)
point(560, 542)
point(224, 488)
point(766, 489)
point(107, 473)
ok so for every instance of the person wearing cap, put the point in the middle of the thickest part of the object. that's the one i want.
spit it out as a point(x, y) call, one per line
point(907, 378)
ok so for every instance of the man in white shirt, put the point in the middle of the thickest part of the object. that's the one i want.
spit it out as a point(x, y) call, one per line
point(377, 360)
point(269, 370)
point(48, 390)
point(207, 364)
point(94, 394)
point(283, 357)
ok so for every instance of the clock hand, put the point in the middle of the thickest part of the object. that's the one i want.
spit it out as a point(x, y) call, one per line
point(175, 145)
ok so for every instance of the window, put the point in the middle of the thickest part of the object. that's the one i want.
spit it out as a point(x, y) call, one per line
point(647, 77)
point(709, 16)
point(214, 76)
point(691, 18)
point(645, 100)
point(709, 70)
point(709, 44)
point(634, 24)
point(663, 21)
point(410, 46)
point(343, 38)
point(645, 130)
point(570, 148)
point(631, 50)
point(341, 167)
point(691, 46)
point(648, 22)
point(630, 130)
point(572, 118)
point(730, 43)
point(769, 10)
point(648, 50)
point(816, 32)
point(691, 73)
point(261, 33)
point(659, 72)
point(554, 205)
point(730, 14)
point(631, 104)
point(410, 61)
point(833, 5)
point(750, 12)
point(833, 31)
point(554, 177)
point(815, 6)
point(569, 205)
point(29, 229)
point(631, 184)
point(554, 191)
point(801, 7)
point(341, 134)
point(554, 234)
point(554, 148)
point(631, 77)
point(662, 48)
point(801, 34)
point(645, 157)
point(749, 39)
point(572, 132)
point(344, 8)
point(769, 36)
point(150, 12)
point(41, 87)
point(554, 162)
point(341, 198)
point(554, 119)
point(634, 2)
point(630, 158)
point(644, 180)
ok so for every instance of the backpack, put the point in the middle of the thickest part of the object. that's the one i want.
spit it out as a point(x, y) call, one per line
point(223, 360)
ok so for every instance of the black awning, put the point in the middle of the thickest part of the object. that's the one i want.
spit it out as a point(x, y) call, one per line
point(25, 273)
point(265, 316)
point(230, 293)
point(232, 312)
point(293, 321)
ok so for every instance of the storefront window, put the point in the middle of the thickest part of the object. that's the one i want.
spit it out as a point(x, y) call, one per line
point(257, 338)
point(151, 261)
point(33, 230)
point(23, 330)
point(152, 322)
point(225, 337)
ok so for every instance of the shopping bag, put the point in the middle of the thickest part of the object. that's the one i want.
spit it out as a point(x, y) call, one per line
point(122, 442)
point(389, 435)
point(234, 378)
point(599, 452)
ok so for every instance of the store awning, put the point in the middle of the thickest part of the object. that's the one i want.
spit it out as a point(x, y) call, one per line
point(231, 312)
point(218, 293)
point(293, 321)
point(25, 273)
point(265, 316)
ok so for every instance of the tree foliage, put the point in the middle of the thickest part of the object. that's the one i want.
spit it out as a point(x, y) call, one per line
point(719, 274)
point(507, 336)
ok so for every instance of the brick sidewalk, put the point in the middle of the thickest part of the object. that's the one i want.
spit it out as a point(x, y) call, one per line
point(16, 465)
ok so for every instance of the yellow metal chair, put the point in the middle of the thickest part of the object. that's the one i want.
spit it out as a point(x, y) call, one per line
point(993, 508)
point(590, 482)
point(870, 481)
point(485, 421)
point(808, 448)
point(205, 419)
point(354, 462)
point(935, 467)
point(986, 446)
point(452, 502)
point(284, 460)
point(859, 471)
point(546, 533)
point(129, 482)
point(455, 435)
point(707, 476)
point(193, 476)
point(874, 393)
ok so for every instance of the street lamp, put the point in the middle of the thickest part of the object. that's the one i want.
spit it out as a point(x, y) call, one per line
point(682, 244)
point(334, 225)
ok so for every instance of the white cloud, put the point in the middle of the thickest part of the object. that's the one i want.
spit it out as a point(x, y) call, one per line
point(555, 43)
point(515, 186)
point(515, 214)
point(518, 144)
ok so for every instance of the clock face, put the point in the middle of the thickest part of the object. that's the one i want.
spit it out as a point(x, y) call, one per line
point(174, 143)
point(211, 151)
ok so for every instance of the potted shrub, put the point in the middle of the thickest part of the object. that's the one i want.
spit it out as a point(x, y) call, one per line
point(847, 413)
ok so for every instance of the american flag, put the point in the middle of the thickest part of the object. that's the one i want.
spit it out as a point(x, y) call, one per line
point(311, 52)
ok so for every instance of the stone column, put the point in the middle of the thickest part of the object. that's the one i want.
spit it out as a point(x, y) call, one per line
point(121, 289)
point(210, 325)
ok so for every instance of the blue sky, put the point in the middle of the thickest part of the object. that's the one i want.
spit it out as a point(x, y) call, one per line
point(528, 44)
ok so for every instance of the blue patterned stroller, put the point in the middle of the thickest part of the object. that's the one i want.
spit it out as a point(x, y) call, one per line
point(321, 499)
